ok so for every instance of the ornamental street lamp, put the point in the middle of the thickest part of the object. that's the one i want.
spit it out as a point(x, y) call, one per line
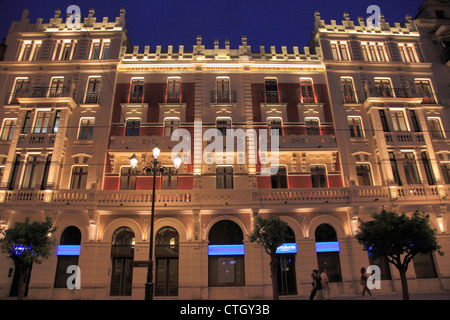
point(152, 169)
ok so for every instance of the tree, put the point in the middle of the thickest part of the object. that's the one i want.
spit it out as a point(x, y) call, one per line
point(270, 234)
point(398, 239)
point(27, 243)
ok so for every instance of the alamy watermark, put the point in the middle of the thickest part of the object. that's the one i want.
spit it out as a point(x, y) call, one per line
point(74, 280)
point(241, 147)
point(374, 280)
point(374, 20)
point(74, 21)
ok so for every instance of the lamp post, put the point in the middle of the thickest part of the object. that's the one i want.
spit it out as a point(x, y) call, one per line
point(154, 168)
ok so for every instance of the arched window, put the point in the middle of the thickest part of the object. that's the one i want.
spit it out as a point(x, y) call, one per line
point(327, 250)
point(122, 255)
point(166, 254)
point(226, 254)
point(225, 232)
point(68, 252)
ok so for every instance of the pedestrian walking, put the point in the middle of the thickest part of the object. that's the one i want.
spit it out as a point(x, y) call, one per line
point(316, 286)
point(363, 281)
point(326, 288)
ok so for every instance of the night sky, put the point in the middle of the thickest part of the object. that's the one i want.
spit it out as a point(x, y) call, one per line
point(178, 22)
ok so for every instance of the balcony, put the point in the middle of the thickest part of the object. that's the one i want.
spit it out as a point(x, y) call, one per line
point(430, 97)
point(45, 95)
point(305, 142)
point(273, 99)
point(309, 98)
point(90, 98)
point(402, 138)
point(389, 95)
point(172, 99)
point(36, 140)
point(223, 98)
point(126, 199)
point(134, 100)
point(140, 143)
point(350, 97)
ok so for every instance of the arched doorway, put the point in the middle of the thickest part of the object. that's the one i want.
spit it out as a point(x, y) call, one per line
point(68, 252)
point(122, 255)
point(226, 255)
point(327, 251)
point(286, 254)
point(166, 255)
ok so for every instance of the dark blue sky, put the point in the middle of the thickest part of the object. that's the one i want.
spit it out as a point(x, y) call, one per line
point(164, 22)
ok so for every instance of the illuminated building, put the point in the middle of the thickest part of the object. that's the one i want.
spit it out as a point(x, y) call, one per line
point(360, 126)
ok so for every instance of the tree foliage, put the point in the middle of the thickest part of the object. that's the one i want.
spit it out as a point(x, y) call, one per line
point(398, 238)
point(27, 243)
point(270, 234)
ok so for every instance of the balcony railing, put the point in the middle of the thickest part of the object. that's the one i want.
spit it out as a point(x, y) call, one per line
point(308, 97)
point(386, 92)
point(50, 92)
point(404, 138)
point(273, 97)
point(35, 93)
point(135, 97)
point(393, 93)
point(350, 97)
point(172, 97)
point(429, 97)
point(223, 97)
point(90, 98)
point(33, 140)
point(230, 197)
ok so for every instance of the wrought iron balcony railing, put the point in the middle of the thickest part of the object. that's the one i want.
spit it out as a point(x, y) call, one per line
point(350, 97)
point(304, 97)
point(90, 97)
point(135, 97)
point(387, 92)
point(172, 97)
point(226, 97)
point(277, 97)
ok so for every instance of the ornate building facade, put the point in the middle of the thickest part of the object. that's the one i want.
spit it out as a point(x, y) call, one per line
point(353, 123)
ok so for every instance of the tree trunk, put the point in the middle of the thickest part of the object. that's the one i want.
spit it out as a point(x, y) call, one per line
point(274, 275)
point(22, 284)
point(404, 284)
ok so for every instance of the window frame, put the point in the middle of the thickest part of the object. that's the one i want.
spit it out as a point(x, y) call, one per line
point(319, 180)
point(313, 129)
point(79, 177)
point(225, 179)
point(439, 133)
point(368, 172)
point(88, 132)
point(8, 124)
point(354, 131)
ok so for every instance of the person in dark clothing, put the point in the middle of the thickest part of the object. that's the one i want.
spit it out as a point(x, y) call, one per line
point(364, 283)
point(317, 286)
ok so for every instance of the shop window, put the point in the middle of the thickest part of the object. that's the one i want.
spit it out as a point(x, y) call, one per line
point(327, 251)
point(68, 252)
point(226, 255)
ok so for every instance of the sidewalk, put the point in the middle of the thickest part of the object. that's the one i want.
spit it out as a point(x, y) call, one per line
point(443, 295)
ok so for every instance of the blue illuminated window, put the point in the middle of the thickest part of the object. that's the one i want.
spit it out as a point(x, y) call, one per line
point(226, 250)
point(68, 250)
point(331, 246)
point(287, 248)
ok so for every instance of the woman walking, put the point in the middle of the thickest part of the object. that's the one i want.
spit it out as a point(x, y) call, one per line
point(363, 281)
